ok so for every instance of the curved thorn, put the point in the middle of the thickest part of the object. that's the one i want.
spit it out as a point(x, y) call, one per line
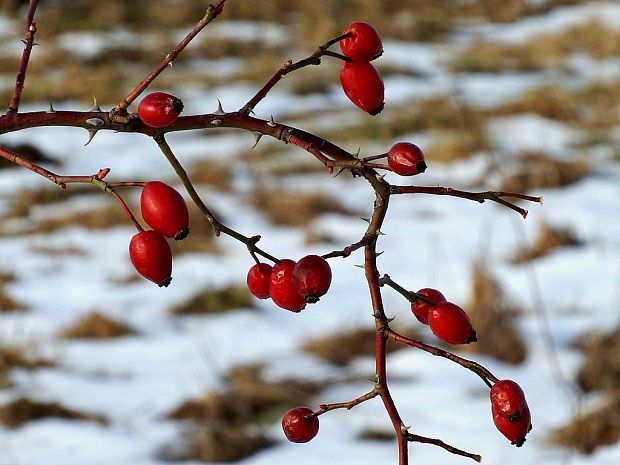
point(257, 137)
point(96, 106)
point(271, 122)
point(219, 110)
point(91, 135)
point(51, 108)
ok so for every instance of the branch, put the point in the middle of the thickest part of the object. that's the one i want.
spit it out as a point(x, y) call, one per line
point(289, 67)
point(480, 197)
point(31, 29)
point(323, 408)
point(213, 11)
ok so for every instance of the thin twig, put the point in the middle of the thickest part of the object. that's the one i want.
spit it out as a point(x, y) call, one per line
point(443, 445)
point(480, 197)
point(323, 408)
point(478, 369)
point(31, 29)
point(217, 225)
point(213, 11)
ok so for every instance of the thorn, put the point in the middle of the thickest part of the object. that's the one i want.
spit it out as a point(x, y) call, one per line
point(50, 109)
point(359, 266)
point(380, 177)
point(96, 106)
point(271, 123)
point(379, 233)
point(95, 122)
point(390, 319)
point(257, 137)
point(404, 429)
point(378, 254)
point(340, 170)
point(367, 220)
point(357, 154)
point(91, 135)
point(170, 64)
point(219, 110)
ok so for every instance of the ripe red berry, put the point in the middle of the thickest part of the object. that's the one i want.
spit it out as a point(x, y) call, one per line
point(450, 323)
point(312, 277)
point(151, 257)
point(420, 308)
point(516, 430)
point(363, 85)
point(164, 210)
point(159, 109)
point(363, 43)
point(508, 399)
point(406, 159)
point(300, 424)
point(281, 287)
point(258, 280)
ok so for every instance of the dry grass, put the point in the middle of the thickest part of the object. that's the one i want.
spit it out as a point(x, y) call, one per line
point(590, 431)
point(543, 51)
point(22, 202)
point(210, 301)
point(95, 218)
point(9, 303)
point(493, 317)
point(548, 239)
point(212, 174)
point(228, 425)
point(28, 151)
point(19, 411)
point(289, 208)
point(96, 325)
point(19, 356)
point(540, 171)
point(345, 346)
point(600, 369)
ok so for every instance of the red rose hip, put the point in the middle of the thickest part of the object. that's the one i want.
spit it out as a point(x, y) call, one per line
point(363, 85)
point(151, 256)
point(406, 159)
point(420, 308)
point(312, 277)
point(164, 210)
point(300, 424)
point(508, 399)
point(281, 287)
point(514, 431)
point(159, 109)
point(450, 323)
point(258, 280)
point(363, 43)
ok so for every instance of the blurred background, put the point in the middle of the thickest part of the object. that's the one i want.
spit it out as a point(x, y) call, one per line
point(100, 366)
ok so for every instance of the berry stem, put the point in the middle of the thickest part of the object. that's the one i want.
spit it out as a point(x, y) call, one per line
point(478, 369)
point(409, 295)
point(31, 29)
point(443, 445)
point(323, 408)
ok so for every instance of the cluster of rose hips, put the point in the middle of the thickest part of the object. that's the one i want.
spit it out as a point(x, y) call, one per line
point(360, 80)
point(165, 211)
point(447, 321)
point(291, 285)
point(510, 411)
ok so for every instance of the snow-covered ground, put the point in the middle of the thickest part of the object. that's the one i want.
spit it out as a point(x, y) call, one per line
point(430, 242)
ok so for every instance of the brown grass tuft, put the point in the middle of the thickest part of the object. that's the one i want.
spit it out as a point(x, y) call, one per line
point(8, 303)
point(14, 414)
point(600, 368)
point(96, 326)
point(590, 431)
point(493, 318)
point(548, 239)
point(220, 300)
point(343, 347)
point(295, 208)
point(227, 426)
point(18, 356)
point(540, 171)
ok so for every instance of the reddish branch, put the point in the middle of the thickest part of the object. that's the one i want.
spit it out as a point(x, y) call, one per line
point(31, 29)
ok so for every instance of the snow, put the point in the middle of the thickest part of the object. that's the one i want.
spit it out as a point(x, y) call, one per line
point(136, 380)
